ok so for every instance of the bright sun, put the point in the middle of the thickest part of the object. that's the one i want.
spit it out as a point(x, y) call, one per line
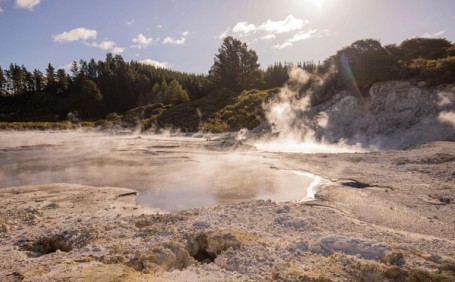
point(314, 4)
point(319, 3)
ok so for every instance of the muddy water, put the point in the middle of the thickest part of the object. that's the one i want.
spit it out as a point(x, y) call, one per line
point(172, 173)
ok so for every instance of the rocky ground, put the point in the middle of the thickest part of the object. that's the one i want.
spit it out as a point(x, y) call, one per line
point(379, 216)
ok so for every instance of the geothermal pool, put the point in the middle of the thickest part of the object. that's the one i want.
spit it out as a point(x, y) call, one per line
point(171, 173)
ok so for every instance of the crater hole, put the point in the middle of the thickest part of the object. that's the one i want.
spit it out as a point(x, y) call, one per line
point(205, 248)
point(47, 245)
point(198, 249)
point(355, 184)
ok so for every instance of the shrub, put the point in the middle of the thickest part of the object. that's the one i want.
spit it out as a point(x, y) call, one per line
point(245, 112)
point(435, 72)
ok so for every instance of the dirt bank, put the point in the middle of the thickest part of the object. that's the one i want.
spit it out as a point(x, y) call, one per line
point(384, 215)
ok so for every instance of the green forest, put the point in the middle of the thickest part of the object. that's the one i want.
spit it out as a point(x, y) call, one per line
point(115, 92)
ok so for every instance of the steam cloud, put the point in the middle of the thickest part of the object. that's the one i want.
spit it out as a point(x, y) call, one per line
point(394, 115)
point(292, 129)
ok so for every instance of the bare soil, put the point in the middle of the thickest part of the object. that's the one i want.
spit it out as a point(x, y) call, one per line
point(379, 216)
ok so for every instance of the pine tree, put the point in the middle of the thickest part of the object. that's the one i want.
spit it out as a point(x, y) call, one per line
point(50, 77)
point(235, 66)
point(2, 81)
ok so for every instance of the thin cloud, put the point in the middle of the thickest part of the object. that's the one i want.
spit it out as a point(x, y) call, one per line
point(83, 34)
point(176, 41)
point(27, 4)
point(224, 34)
point(268, 37)
point(76, 34)
point(1, 9)
point(159, 26)
point(141, 41)
point(106, 45)
point(439, 33)
point(117, 50)
point(302, 35)
point(289, 24)
point(433, 35)
point(68, 66)
point(172, 41)
point(299, 36)
point(130, 22)
point(244, 28)
point(274, 30)
point(282, 46)
point(163, 65)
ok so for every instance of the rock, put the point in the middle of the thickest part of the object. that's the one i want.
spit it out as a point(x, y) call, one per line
point(422, 84)
point(52, 206)
point(201, 224)
point(350, 246)
point(15, 276)
point(219, 243)
point(290, 222)
point(282, 219)
point(298, 222)
point(395, 114)
point(284, 209)
point(166, 256)
point(298, 246)
point(394, 258)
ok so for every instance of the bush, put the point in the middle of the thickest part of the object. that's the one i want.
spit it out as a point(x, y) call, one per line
point(435, 72)
point(245, 112)
point(188, 116)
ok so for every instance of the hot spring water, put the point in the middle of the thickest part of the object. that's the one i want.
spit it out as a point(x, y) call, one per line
point(169, 173)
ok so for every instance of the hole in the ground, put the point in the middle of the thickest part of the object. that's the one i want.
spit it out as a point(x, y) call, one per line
point(47, 245)
point(199, 247)
point(205, 249)
point(204, 257)
point(445, 200)
point(355, 184)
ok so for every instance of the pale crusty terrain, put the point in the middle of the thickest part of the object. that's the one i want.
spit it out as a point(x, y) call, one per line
point(380, 216)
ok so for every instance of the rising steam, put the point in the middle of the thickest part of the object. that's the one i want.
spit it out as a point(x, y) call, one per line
point(292, 128)
point(393, 115)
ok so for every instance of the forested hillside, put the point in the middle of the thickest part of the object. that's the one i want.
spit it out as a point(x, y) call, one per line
point(93, 89)
point(228, 98)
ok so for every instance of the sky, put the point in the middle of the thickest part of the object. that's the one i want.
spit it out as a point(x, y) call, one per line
point(185, 35)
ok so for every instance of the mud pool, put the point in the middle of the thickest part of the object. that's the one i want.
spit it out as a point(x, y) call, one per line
point(171, 173)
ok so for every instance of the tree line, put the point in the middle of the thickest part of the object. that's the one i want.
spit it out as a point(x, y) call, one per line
point(93, 89)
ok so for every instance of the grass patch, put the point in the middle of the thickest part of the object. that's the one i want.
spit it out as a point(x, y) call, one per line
point(33, 125)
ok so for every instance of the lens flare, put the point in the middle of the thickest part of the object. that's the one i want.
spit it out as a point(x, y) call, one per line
point(349, 77)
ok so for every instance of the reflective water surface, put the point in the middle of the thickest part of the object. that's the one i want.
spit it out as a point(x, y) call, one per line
point(172, 173)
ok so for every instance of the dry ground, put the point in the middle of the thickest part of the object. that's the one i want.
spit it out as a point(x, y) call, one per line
point(380, 216)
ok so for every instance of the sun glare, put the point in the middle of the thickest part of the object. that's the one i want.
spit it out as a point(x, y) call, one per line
point(314, 5)
point(318, 3)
